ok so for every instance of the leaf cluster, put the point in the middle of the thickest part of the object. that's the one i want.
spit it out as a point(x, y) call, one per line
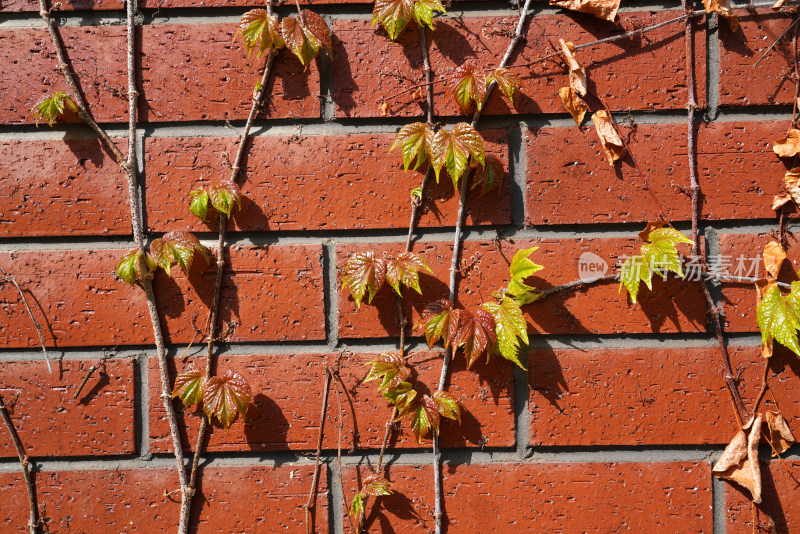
point(364, 273)
point(53, 107)
point(303, 35)
point(222, 196)
point(423, 412)
point(175, 248)
point(468, 85)
point(374, 485)
point(394, 15)
point(658, 256)
point(223, 397)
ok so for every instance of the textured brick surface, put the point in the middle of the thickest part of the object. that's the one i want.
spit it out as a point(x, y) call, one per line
point(645, 396)
point(51, 422)
point(743, 84)
point(674, 306)
point(579, 497)
point(255, 499)
point(288, 388)
point(309, 182)
point(368, 66)
point(274, 294)
point(61, 187)
point(172, 55)
point(570, 182)
point(778, 494)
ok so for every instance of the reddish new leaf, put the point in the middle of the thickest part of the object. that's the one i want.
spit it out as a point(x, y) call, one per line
point(489, 175)
point(415, 140)
point(363, 273)
point(189, 387)
point(405, 270)
point(393, 15)
point(423, 415)
point(453, 148)
point(376, 485)
point(259, 30)
point(176, 248)
point(390, 369)
point(448, 406)
point(475, 334)
point(468, 87)
point(507, 81)
point(305, 37)
point(226, 396)
point(434, 320)
point(224, 195)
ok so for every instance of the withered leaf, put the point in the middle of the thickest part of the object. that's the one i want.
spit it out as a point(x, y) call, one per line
point(791, 182)
point(773, 258)
point(604, 9)
point(778, 201)
point(725, 10)
point(788, 146)
point(778, 4)
point(577, 74)
point(574, 104)
point(609, 138)
point(780, 436)
point(739, 462)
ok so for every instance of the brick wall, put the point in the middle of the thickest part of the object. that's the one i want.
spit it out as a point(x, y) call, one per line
point(623, 410)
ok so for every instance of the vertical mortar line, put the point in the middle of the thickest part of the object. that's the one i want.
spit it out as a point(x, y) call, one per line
point(330, 293)
point(719, 517)
point(712, 67)
point(326, 85)
point(522, 411)
point(517, 167)
point(141, 406)
point(335, 491)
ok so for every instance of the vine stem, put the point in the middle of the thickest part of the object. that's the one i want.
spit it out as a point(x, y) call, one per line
point(315, 479)
point(8, 278)
point(213, 313)
point(24, 461)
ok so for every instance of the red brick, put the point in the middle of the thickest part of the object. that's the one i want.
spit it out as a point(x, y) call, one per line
point(51, 423)
point(61, 187)
point(738, 173)
point(288, 390)
point(621, 73)
point(743, 84)
point(630, 397)
point(739, 299)
point(780, 500)
point(675, 306)
point(305, 183)
point(203, 62)
point(274, 294)
point(33, 5)
point(251, 499)
point(567, 497)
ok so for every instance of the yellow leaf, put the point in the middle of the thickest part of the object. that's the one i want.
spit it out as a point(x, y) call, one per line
point(574, 104)
point(609, 138)
point(725, 10)
point(577, 74)
point(739, 462)
point(773, 258)
point(788, 146)
point(604, 9)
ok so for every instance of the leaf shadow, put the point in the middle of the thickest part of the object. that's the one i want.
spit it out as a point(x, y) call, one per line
point(86, 150)
point(546, 376)
point(95, 391)
point(265, 427)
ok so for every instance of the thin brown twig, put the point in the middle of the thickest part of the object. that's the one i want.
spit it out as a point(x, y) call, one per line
point(86, 378)
point(337, 384)
point(775, 43)
point(9, 278)
point(311, 503)
point(764, 388)
point(33, 518)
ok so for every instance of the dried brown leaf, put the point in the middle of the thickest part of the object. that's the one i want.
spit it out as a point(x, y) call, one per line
point(574, 104)
point(773, 258)
point(791, 182)
point(778, 4)
point(609, 138)
point(725, 10)
point(780, 436)
point(384, 108)
point(788, 146)
point(577, 74)
point(778, 201)
point(604, 9)
point(739, 461)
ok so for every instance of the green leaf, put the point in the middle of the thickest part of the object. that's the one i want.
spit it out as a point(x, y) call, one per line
point(401, 395)
point(127, 266)
point(416, 194)
point(510, 326)
point(434, 321)
point(226, 396)
point(176, 248)
point(376, 485)
point(199, 203)
point(448, 405)
point(189, 387)
point(363, 273)
point(468, 87)
point(305, 38)
point(658, 255)
point(423, 11)
point(453, 148)
point(415, 140)
point(224, 195)
point(779, 318)
point(357, 506)
point(490, 175)
point(52, 107)
point(521, 266)
point(507, 80)
point(390, 369)
point(393, 15)
point(633, 270)
point(405, 270)
point(423, 416)
point(259, 30)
